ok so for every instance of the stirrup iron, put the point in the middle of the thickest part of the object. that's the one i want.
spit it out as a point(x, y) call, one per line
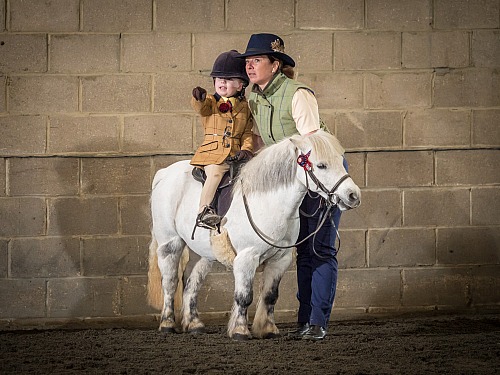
point(207, 219)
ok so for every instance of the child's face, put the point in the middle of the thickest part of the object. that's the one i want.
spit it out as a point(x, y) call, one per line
point(228, 86)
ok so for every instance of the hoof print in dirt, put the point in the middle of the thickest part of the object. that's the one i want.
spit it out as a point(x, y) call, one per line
point(270, 336)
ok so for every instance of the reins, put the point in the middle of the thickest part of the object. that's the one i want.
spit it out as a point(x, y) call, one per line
point(263, 236)
point(331, 202)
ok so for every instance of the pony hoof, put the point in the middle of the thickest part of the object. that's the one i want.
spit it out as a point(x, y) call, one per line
point(197, 331)
point(167, 330)
point(240, 337)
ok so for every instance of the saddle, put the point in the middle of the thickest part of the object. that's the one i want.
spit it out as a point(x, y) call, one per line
point(223, 197)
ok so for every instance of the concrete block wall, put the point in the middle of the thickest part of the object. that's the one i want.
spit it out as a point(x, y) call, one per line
point(94, 99)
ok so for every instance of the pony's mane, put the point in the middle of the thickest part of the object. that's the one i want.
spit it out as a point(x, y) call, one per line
point(275, 166)
point(325, 145)
point(271, 168)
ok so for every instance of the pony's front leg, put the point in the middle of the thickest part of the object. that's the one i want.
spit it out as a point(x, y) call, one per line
point(168, 260)
point(190, 320)
point(244, 267)
point(263, 324)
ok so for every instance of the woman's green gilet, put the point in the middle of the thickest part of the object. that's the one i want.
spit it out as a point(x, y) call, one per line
point(272, 108)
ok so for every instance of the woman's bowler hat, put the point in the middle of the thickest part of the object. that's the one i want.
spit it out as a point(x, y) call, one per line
point(268, 44)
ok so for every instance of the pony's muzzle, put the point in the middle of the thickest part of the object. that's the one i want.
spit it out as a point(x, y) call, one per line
point(350, 200)
point(354, 199)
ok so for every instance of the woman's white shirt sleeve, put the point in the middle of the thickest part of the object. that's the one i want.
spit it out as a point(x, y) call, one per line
point(305, 111)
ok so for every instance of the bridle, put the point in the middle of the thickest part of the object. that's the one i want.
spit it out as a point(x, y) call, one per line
point(331, 202)
point(332, 198)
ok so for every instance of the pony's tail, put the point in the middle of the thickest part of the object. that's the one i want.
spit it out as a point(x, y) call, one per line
point(155, 291)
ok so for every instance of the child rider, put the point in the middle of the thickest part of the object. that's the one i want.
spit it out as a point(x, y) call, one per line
point(227, 125)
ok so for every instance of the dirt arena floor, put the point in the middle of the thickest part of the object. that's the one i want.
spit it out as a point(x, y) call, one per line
point(450, 344)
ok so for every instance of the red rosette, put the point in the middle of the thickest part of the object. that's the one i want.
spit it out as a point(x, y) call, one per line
point(303, 161)
point(225, 107)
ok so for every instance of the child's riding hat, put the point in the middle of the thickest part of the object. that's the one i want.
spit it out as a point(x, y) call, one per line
point(228, 65)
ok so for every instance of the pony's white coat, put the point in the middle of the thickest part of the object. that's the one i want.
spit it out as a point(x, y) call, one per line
point(274, 185)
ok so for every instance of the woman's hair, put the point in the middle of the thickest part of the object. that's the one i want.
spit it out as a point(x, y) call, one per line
point(287, 70)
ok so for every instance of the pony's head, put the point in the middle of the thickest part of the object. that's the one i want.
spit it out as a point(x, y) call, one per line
point(320, 157)
point(277, 166)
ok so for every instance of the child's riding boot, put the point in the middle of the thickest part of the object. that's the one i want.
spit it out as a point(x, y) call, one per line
point(208, 218)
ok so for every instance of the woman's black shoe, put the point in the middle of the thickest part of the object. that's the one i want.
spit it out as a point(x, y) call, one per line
point(314, 333)
point(301, 329)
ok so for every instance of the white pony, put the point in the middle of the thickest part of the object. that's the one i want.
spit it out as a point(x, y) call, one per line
point(274, 185)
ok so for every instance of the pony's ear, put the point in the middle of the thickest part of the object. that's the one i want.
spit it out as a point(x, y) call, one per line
point(297, 141)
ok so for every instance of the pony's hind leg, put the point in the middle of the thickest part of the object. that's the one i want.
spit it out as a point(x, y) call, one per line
point(263, 324)
point(169, 255)
point(190, 320)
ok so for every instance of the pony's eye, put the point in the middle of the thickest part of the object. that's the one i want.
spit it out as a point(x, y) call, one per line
point(321, 166)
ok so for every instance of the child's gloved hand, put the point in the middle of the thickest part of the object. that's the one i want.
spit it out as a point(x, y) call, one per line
point(242, 155)
point(199, 93)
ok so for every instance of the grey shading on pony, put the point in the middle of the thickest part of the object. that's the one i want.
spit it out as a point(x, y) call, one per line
point(274, 185)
